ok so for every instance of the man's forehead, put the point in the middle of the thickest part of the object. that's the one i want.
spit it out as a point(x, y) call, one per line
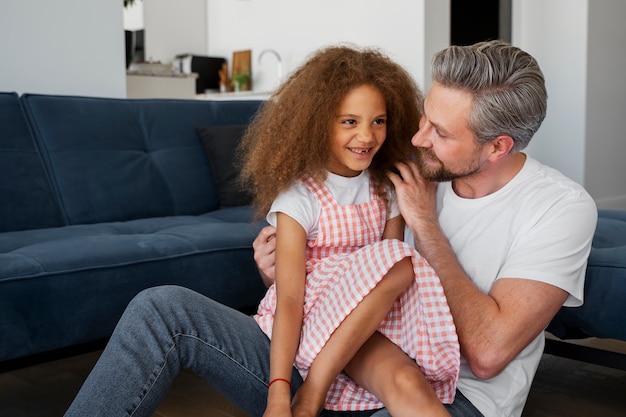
point(442, 98)
point(448, 108)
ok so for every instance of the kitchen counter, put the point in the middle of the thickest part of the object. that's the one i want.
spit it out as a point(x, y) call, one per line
point(160, 84)
point(236, 95)
point(149, 73)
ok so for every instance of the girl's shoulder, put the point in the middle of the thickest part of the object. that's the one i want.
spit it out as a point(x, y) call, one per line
point(298, 202)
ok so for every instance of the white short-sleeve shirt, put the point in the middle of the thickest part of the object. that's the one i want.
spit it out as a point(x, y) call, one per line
point(539, 226)
point(300, 204)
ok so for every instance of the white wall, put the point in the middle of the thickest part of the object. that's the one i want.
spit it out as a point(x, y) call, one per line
point(296, 28)
point(174, 27)
point(69, 47)
point(579, 45)
point(133, 16)
point(605, 146)
point(561, 50)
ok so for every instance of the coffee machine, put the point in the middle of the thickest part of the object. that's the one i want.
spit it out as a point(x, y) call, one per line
point(206, 67)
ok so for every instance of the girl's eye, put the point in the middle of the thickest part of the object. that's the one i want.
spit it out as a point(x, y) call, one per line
point(349, 122)
point(380, 121)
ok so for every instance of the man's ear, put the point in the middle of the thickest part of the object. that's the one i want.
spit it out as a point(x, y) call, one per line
point(501, 146)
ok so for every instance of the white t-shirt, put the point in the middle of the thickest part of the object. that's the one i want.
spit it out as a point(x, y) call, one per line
point(299, 203)
point(539, 226)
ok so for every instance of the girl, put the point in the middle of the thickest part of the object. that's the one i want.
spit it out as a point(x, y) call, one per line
point(317, 156)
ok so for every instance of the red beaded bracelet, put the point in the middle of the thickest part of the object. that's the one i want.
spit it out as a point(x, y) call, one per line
point(279, 379)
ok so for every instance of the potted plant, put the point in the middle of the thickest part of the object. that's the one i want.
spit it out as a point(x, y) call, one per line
point(240, 80)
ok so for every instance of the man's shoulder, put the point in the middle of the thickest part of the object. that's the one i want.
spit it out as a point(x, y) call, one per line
point(549, 182)
point(546, 192)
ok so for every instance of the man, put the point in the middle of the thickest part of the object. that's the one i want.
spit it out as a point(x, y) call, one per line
point(508, 237)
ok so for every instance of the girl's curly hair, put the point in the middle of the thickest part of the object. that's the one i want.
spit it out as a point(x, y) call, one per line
point(290, 135)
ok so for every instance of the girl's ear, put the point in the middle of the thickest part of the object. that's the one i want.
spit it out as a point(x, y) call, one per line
point(501, 146)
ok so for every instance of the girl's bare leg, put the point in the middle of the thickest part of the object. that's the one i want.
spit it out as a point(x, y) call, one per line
point(395, 379)
point(346, 340)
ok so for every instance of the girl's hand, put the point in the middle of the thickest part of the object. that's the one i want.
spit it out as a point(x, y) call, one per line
point(278, 401)
point(281, 410)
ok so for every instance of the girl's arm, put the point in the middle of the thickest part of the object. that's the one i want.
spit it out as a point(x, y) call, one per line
point(394, 228)
point(290, 280)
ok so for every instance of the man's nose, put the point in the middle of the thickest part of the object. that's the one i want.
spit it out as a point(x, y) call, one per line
point(420, 138)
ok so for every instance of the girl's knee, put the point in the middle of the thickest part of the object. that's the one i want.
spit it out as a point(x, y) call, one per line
point(408, 380)
point(402, 273)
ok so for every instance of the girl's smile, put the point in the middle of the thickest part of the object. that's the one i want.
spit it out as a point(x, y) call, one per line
point(361, 151)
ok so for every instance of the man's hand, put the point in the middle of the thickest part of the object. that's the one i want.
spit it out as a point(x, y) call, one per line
point(417, 200)
point(265, 254)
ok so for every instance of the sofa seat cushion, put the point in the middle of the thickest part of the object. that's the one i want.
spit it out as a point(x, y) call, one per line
point(32, 253)
point(601, 315)
point(50, 277)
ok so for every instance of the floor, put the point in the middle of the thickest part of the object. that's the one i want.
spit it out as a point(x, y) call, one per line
point(563, 387)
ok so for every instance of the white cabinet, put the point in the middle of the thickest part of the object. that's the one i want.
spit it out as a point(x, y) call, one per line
point(146, 85)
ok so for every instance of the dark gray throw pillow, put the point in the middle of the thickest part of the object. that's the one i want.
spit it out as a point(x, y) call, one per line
point(220, 144)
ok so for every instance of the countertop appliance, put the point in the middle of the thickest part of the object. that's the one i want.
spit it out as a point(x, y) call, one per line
point(206, 67)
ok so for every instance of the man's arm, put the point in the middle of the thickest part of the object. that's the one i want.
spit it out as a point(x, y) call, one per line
point(493, 328)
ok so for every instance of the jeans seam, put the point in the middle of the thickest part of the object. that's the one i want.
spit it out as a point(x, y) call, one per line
point(225, 354)
point(156, 376)
point(174, 343)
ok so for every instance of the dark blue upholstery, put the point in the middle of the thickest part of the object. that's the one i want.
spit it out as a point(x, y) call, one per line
point(69, 285)
point(27, 200)
point(129, 159)
point(603, 313)
point(101, 198)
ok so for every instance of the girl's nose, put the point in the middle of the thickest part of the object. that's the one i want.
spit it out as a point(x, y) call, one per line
point(366, 133)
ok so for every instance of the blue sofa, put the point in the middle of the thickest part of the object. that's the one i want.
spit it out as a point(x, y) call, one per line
point(603, 314)
point(101, 198)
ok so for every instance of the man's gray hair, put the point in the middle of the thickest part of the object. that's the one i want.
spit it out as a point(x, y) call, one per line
point(507, 85)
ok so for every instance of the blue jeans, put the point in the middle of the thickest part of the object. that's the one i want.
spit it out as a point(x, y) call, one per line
point(167, 329)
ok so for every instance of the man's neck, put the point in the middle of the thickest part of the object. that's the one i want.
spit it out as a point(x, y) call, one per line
point(490, 179)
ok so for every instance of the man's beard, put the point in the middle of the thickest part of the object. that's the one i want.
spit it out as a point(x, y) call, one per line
point(440, 173)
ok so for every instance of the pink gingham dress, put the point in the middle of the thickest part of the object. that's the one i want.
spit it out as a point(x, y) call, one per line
point(344, 263)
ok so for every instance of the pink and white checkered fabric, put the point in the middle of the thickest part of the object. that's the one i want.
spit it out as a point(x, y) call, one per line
point(345, 262)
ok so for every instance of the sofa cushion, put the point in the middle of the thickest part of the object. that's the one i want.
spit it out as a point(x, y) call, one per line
point(115, 159)
point(48, 277)
point(220, 144)
point(601, 315)
point(23, 182)
point(34, 253)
